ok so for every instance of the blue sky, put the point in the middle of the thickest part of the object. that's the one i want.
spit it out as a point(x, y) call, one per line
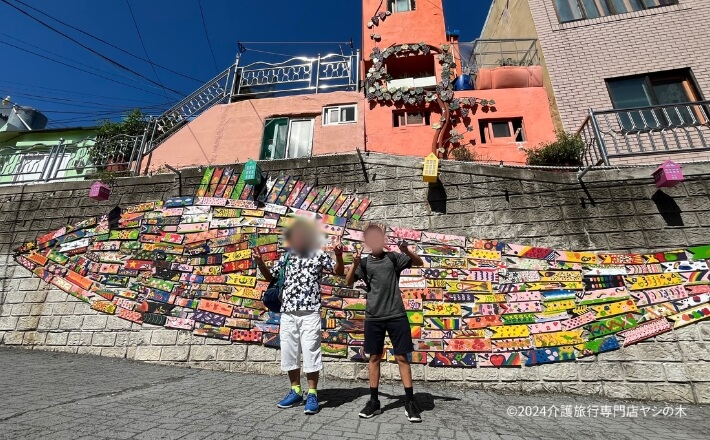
point(174, 37)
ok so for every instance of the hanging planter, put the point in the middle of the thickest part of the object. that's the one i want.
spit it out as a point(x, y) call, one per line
point(99, 191)
point(668, 175)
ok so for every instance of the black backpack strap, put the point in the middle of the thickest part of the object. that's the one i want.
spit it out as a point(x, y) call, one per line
point(393, 258)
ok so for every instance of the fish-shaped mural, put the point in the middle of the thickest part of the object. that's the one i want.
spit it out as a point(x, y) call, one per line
point(185, 263)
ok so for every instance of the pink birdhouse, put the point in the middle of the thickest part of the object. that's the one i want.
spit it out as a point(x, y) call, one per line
point(668, 175)
point(99, 191)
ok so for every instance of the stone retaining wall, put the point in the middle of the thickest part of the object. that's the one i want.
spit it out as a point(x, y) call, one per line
point(612, 210)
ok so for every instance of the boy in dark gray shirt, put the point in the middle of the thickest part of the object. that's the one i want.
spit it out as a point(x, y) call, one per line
point(385, 314)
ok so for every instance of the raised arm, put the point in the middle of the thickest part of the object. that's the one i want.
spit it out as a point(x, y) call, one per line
point(416, 259)
point(350, 277)
point(256, 257)
point(339, 265)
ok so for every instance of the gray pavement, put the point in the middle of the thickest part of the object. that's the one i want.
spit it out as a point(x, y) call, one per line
point(60, 396)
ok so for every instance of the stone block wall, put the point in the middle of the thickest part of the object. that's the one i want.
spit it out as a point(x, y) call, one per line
point(611, 210)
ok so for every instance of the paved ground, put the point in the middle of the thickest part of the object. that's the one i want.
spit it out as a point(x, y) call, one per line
point(64, 396)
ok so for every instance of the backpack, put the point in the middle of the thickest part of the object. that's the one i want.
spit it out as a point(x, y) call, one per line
point(272, 296)
point(363, 265)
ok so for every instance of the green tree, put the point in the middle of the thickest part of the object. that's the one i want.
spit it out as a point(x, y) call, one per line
point(116, 141)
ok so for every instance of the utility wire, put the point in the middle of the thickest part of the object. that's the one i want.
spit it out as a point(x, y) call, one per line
point(207, 35)
point(98, 54)
point(140, 37)
point(72, 102)
point(78, 68)
point(50, 90)
point(108, 43)
point(79, 63)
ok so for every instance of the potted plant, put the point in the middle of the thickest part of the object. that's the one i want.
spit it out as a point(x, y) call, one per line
point(116, 142)
point(511, 73)
point(566, 150)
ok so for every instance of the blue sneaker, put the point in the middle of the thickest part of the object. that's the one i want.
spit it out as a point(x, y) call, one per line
point(311, 404)
point(292, 399)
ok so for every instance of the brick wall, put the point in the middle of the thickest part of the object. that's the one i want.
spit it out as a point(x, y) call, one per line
point(615, 210)
point(581, 55)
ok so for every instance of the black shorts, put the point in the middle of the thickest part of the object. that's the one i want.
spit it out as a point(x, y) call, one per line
point(396, 328)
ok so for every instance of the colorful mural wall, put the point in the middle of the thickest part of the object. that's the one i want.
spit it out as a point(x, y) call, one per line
point(185, 263)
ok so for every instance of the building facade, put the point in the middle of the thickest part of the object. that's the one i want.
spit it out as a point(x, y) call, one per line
point(43, 155)
point(322, 106)
point(642, 65)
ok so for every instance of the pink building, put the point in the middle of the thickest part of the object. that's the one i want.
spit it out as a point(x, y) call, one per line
point(322, 105)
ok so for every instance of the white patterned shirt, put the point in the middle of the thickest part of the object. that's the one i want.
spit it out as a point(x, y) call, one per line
point(301, 291)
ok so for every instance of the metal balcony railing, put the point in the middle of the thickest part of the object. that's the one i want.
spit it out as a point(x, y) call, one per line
point(612, 135)
point(258, 80)
point(298, 75)
point(487, 53)
point(69, 161)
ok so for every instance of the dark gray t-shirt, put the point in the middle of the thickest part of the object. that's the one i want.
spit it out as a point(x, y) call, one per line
point(384, 300)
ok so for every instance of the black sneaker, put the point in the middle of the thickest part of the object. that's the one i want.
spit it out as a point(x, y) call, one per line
point(411, 410)
point(371, 409)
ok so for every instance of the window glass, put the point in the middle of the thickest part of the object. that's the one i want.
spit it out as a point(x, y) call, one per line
point(571, 10)
point(347, 114)
point(415, 118)
point(274, 144)
point(501, 129)
point(568, 10)
point(332, 116)
point(654, 89)
point(623, 6)
point(400, 5)
point(518, 130)
point(629, 92)
point(300, 138)
point(674, 92)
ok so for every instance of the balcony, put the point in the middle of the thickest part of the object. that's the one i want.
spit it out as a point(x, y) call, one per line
point(503, 63)
point(639, 135)
point(426, 81)
point(488, 54)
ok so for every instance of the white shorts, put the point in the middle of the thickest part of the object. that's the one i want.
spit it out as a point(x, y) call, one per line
point(301, 332)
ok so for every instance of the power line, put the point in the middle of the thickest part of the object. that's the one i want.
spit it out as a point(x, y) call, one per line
point(71, 102)
point(120, 74)
point(98, 54)
point(140, 37)
point(40, 89)
point(108, 43)
point(77, 68)
point(207, 35)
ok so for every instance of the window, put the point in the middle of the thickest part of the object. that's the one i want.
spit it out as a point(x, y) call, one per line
point(572, 10)
point(501, 130)
point(343, 114)
point(287, 138)
point(403, 119)
point(656, 89)
point(401, 5)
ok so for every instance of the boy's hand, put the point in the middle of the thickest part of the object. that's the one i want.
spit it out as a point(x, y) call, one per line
point(338, 249)
point(357, 257)
point(256, 256)
point(404, 247)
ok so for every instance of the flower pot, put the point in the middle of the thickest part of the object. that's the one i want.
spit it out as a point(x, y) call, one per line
point(509, 77)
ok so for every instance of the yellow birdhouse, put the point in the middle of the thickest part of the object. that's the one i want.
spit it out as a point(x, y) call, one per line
point(431, 168)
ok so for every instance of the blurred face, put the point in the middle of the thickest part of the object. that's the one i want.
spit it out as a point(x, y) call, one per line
point(303, 237)
point(375, 239)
